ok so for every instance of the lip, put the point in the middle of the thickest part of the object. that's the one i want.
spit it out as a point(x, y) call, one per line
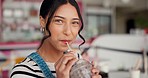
point(64, 41)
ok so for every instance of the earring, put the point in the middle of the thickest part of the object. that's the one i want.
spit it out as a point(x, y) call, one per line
point(42, 29)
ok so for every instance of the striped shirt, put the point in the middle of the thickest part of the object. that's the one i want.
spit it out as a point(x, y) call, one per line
point(29, 69)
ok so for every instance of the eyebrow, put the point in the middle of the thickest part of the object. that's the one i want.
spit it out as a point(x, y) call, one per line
point(64, 18)
point(59, 17)
point(76, 19)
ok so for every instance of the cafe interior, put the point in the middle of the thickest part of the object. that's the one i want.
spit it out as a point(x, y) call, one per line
point(116, 34)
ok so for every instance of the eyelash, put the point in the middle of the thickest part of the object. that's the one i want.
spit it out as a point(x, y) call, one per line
point(58, 21)
point(75, 23)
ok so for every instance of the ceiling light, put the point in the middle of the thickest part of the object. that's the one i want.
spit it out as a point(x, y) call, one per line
point(126, 1)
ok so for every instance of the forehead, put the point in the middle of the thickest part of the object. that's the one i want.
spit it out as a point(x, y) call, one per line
point(66, 10)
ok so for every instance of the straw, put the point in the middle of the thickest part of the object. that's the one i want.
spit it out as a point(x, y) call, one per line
point(137, 66)
point(69, 48)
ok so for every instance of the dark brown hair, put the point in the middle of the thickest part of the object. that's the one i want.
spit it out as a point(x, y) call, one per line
point(48, 8)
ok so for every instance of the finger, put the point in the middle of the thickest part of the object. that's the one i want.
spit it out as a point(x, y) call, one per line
point(69, 54)
point(64, 60)
point(64, 63)
point(95, 71)
point(93, 64)
point(56, 64)
point(96, 76)
point(70, 64)
point(64, 55)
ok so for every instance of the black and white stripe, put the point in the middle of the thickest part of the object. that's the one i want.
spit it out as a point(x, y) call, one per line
point(29, 69)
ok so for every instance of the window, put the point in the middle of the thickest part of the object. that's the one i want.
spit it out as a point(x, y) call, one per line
point(97, 25)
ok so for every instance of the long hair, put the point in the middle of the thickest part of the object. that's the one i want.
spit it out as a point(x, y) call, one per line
point(47, 10)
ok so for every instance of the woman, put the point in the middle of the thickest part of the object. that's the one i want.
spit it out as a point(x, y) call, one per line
point(61, 22)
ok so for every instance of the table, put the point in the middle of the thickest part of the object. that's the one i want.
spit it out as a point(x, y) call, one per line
point(124, 74)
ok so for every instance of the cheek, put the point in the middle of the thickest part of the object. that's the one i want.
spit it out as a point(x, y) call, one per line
point(76, 30)
point(55, 30)
point(75, 33)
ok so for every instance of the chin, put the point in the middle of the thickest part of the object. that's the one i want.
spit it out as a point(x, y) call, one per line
point(62, 49)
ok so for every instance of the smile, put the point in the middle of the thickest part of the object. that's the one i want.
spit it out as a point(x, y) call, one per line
point(64, 41)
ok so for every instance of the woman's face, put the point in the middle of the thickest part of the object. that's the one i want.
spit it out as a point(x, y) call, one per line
point(64, 27)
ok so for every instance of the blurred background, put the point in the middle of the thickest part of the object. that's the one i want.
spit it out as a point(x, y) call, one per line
point(116, 33)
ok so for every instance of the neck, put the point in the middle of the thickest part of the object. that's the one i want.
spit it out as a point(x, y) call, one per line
point(49, 53)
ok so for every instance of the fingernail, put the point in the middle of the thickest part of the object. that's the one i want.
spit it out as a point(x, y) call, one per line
point(94, 64)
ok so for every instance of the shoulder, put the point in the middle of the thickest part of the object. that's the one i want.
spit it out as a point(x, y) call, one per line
point(25, 69)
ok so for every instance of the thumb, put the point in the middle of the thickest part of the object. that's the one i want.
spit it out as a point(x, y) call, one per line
point(93, 64)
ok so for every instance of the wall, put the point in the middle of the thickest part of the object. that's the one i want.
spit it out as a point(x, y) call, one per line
point(25, 7)
point(120, 22)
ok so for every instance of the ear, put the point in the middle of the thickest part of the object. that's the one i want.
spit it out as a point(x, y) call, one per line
point(42, 22)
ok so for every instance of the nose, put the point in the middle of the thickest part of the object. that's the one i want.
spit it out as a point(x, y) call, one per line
point(67, 29)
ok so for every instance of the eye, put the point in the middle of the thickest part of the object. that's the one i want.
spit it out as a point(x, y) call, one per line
point(76, 23)
point(58, 21)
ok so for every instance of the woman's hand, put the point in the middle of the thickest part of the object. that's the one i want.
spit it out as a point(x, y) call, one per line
point(64, 64)
point(95, 71)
